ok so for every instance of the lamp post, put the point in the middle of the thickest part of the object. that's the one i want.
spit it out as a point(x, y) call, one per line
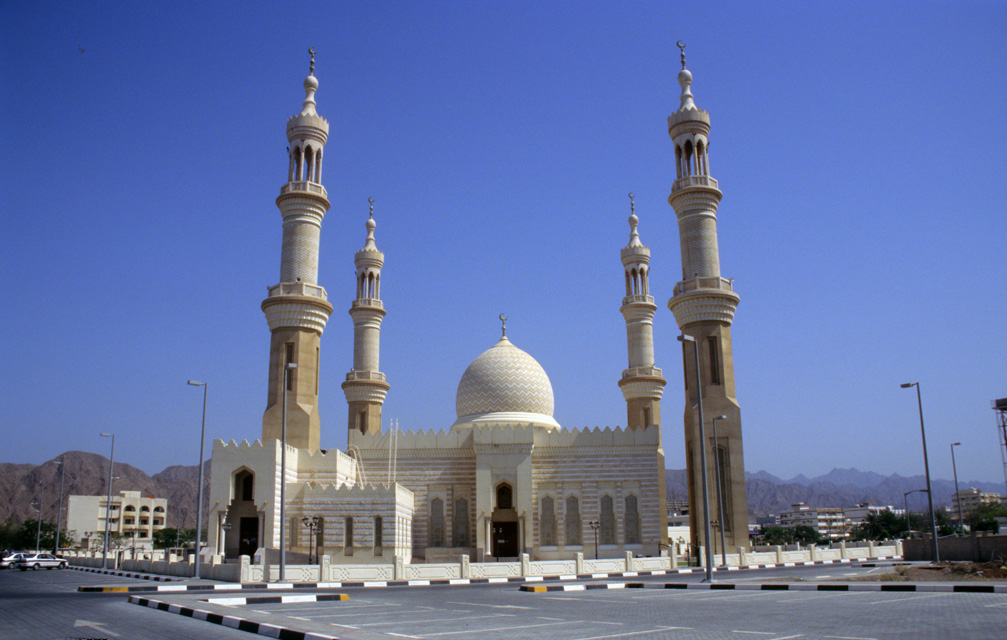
point(38, 532)
point(283, 473)
point(108, 503)
point(594, 524)
point(683, 338)
point(199, 499)
point(926, 468)
point(226, 526)
point(59, 510)
point(958, 498)
point(720, 493)
point(311, 523)
point(905, 499)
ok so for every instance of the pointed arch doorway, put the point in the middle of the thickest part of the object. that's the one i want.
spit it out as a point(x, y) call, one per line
point(504, 527)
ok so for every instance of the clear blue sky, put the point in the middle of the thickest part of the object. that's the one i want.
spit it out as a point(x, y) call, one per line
point(861, 149)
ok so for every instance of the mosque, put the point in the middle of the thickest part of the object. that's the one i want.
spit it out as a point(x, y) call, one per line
point(505, 478)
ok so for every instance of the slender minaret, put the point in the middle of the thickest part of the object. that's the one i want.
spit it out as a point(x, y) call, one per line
point(296, 308)
point(365, 386)
point(704, 304)
point(642, 383)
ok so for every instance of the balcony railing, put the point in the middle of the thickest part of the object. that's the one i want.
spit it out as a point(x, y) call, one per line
point(694, 181)
point(714, 282)
point(297, 289)
point(303, 185)
point(365, 375)
point(368, 302)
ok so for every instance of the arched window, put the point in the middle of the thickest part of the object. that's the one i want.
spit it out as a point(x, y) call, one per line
point(436, 523)
point(607, 533)
point(629, 287)
point(297, 163)
point(144, 509)
point(678, 162)
point(129, 507)
point(572, 521)
point(379, 535)
point(318, 166)
point(158, 509)
point(243, 481)
point(687, 164)
point(505, 497)
point(309, 163)
point(547, 523)
point(460, 525)
point(632, 524)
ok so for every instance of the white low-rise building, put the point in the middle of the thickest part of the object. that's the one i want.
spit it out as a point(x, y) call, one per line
point(131, 514)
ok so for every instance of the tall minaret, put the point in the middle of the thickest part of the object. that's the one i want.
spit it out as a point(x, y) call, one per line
point(296, 308)
point(365, 386)
point(704, 304)
point(642, 383)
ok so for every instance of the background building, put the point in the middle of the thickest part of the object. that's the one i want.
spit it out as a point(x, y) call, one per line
point(972, 499)
point(131, 514)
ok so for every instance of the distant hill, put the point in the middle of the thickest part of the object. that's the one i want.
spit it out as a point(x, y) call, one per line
point(87, 474)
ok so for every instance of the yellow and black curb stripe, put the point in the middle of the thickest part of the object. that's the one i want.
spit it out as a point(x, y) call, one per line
point(543, 588)
point(240, 602)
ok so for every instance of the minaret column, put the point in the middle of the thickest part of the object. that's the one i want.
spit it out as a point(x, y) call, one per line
point(365, 386)
point(297, 308)
point(642, 383)
point(704, 303)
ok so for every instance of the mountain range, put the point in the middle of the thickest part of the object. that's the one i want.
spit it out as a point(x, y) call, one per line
point(87, 474)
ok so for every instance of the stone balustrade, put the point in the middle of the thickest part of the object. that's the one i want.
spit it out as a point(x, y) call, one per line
point(297, 289)
point(310, 187)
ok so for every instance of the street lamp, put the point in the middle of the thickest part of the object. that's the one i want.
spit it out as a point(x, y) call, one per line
point(226, 526)
point(41, 500)
point(283, 473)
point(311, 523)
point(594, 524)
point(683, 338)
point(108, 504)
point(59, 510)
point(958, 498)
point(199, 499)
point(720, 494)
point(926, 468)
point(905, 499)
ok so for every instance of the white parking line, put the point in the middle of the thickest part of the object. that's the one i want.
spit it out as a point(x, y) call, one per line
point(526, 626)
point(495, 606)
point(932, 595)
point(998, 604)
point(373, 614)
point(848, 638)
point(632, 633)
point(761, 633)
point(411, 622)
point(402, 635)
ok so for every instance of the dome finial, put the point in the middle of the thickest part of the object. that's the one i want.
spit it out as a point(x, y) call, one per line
point(632, 206)
point(310, 86)
point(371, 224)
point(313, 51)
point(685, 81)
point(681, 47)
point(371, 201)
point(503, 325)
point(634, 235)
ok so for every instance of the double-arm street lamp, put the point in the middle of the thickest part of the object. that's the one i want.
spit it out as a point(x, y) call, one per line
point(594, 524)
point(283, 472)
point(958, 498)
point(707, 537)
point(199, 499)
point(108, 504)
point(926, 467)
point(312, 524)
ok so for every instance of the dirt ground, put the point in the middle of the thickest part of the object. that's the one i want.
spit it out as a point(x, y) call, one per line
point(943, 572)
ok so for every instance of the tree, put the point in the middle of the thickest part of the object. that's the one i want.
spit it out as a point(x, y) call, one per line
point(25, 535)
point(984, 518)
point(879, 526)
point(802, 534)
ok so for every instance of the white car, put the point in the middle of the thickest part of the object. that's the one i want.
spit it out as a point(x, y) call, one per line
point(7, 561)
point(36, 561)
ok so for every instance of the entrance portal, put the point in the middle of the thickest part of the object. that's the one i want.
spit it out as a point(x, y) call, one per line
point(505, 541)
point(248, 536)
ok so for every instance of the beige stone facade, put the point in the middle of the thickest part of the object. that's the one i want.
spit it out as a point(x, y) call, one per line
point(132, 514)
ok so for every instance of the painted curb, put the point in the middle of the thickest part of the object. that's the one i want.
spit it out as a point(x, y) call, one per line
point(931, 587)
point(233, 586)
point(126, 574)
point(234, 622)
point(239, 602)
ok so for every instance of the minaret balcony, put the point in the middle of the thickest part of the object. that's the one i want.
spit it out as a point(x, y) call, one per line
point(368, 302)
point(638, 299)
point(297, 289)
point(642, 372)
point(366, 375)
point(304, 185)
point(694, 181)
point(714, 282)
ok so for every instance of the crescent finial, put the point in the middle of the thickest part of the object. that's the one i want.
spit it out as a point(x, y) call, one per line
point(371, 201)
point(632, 207)
point(312, 51)
point(681, 47)
point(503, 325)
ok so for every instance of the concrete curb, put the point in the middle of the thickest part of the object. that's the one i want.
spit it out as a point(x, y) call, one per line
point(240, 602)
point(234, 622)
point(927, 587)
point(233, 586)
point(126, 574)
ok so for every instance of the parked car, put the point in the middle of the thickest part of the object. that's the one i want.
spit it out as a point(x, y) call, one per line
point(7, 561)
point(36, 561)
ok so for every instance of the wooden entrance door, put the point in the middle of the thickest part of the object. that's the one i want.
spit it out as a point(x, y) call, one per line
point(505, 541)
point(248, 536)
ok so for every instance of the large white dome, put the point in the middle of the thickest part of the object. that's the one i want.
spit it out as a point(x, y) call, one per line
point(504, 385)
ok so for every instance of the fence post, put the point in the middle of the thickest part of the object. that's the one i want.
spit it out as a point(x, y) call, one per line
point(741, 557)
point(580, 562)
point(400, 568)
point(525, 564)
point(244, 569)
point(813, 551)
point(779, 554)
point(464, 570)
point(629, 561)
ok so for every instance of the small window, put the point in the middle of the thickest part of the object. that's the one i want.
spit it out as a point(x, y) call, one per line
point(460, 533)
point(436, 523)
point(714, 360)
point(547, 523)
point(378, 535)
point(348, 535)
point(607, 521)
point(573, 520)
